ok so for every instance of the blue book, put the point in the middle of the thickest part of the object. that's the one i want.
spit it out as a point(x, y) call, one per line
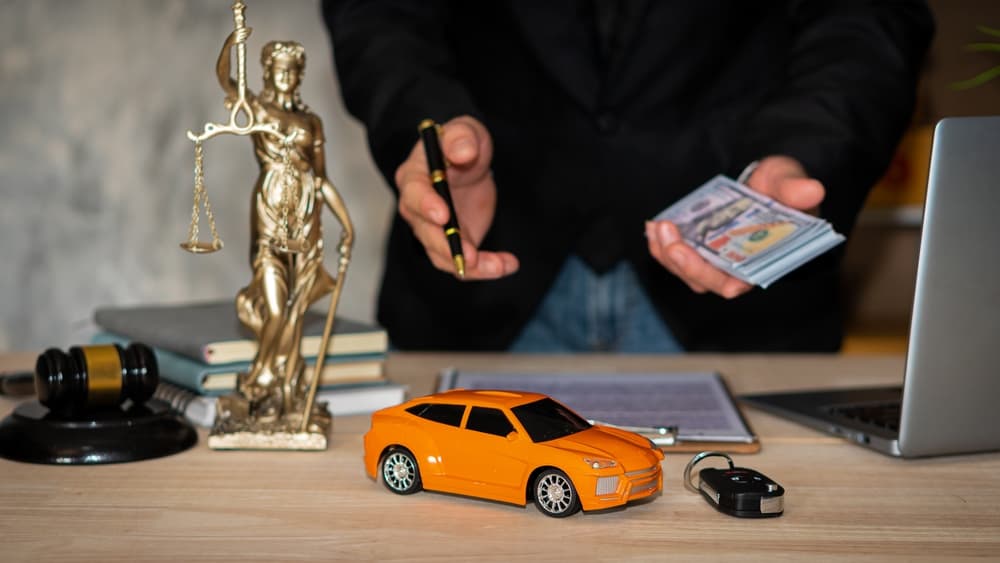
point(220, 379)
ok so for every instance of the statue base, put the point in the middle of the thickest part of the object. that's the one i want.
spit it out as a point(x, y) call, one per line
point(236, 428)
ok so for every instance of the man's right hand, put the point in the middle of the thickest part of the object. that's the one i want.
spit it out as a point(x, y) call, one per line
point(468, 149)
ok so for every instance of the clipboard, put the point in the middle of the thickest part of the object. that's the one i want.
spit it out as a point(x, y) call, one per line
point(697, 406)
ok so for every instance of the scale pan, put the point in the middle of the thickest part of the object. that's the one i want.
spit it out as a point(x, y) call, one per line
point(201, 247)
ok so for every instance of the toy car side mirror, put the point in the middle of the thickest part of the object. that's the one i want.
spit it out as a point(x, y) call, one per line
point(512, 436)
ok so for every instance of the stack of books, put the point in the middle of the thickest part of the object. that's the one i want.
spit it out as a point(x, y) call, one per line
point(202, 347)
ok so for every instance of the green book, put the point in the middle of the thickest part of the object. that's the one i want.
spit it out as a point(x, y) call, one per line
point(211, 333)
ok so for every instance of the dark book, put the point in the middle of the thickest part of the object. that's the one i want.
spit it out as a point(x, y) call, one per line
point(211, 332)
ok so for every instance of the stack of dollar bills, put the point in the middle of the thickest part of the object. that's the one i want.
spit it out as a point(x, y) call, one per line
point(747, 234)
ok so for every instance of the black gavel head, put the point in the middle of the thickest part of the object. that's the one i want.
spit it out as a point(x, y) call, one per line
point(95, 377)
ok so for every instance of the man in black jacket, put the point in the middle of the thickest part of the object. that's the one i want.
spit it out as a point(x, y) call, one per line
point(570, 123)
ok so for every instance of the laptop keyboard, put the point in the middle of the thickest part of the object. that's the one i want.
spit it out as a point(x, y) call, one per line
point(884, 415)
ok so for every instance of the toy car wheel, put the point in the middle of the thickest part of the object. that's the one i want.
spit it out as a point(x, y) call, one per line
point(400, 473)
point(555, 494)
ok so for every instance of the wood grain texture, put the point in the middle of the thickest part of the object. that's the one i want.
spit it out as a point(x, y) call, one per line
point(842, 502)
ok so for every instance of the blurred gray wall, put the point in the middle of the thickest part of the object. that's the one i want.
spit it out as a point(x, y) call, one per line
point(96, 172)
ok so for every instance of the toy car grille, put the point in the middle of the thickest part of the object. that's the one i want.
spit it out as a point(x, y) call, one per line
point(641, 473)
point(607, 485)
point(642, 487)
point(643, 480)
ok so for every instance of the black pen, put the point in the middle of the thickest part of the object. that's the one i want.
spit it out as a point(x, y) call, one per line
point(429, 133)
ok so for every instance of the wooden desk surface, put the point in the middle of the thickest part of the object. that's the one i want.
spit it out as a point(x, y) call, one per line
point(842, 501)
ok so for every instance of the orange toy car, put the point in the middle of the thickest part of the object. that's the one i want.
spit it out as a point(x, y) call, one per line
point(509, 446)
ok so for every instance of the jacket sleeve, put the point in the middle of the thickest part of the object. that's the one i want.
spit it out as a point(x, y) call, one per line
point(395, 69)
point(845, 97)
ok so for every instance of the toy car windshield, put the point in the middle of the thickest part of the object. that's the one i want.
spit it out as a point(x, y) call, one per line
point(546, 420)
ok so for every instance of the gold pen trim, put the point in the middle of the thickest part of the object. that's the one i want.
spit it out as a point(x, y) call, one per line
point(425, 124)
point(437, 176)
point(451, 231)
point(460, 265)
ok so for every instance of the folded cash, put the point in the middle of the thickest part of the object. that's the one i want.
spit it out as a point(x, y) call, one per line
point(747, 234)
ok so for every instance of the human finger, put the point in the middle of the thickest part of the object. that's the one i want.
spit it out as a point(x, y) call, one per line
point(426, 213)
point(417, 198)
point(479, 265)
point(487, 265)
point(435, 244)
point(465, 141)
point(800, 193)
point(697, 272)
point(684, 262)
point(658, 243)
point(784, 179)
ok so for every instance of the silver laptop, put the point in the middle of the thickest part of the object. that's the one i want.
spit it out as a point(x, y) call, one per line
point(951, 387)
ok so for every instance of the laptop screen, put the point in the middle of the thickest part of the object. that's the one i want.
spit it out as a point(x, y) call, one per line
point(952, 384)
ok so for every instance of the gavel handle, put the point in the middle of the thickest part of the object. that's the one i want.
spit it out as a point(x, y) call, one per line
point(17, 384)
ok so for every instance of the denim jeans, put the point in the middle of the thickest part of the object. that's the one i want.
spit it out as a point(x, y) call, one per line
point(586, 312)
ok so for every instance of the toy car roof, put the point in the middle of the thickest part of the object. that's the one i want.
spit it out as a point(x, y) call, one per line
point(492, 397)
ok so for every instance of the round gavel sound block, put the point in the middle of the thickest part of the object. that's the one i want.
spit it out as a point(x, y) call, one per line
point(95, 406)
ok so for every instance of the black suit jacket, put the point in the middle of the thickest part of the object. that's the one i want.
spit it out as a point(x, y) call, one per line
point(588, 145)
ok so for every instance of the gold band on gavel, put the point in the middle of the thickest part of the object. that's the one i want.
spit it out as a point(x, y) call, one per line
point(104, 375)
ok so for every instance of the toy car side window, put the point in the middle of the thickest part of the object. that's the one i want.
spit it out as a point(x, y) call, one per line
point(490, 421)
point(445, 414)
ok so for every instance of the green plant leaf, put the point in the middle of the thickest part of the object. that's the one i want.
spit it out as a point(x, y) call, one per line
point(978, 80)
point(983, 47)
point(988, 30)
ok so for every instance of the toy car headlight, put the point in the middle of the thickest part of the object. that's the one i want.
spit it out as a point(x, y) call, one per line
point(599, 463)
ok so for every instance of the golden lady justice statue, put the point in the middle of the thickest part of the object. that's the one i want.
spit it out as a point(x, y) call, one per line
point(275, 405)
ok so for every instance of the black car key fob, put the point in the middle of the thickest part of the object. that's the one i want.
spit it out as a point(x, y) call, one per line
point(737, 491)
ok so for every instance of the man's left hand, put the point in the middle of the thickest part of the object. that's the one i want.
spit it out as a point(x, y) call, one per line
point(781, 178)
